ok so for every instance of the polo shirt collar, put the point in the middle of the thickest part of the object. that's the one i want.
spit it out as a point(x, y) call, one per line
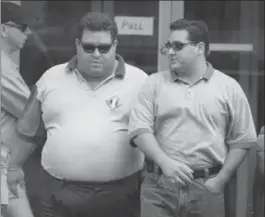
point(207, 75)
point(120, 69)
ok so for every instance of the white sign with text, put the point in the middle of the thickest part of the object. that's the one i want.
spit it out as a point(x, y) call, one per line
point(135, 25)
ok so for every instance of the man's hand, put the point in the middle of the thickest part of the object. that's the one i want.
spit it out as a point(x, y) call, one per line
point(177, 171)
point(215, 185)
point(15, 176)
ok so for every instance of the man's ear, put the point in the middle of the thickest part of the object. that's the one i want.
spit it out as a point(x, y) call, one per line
point(4, 30)
point(200, 48)
point(115, 43)
point(77, 43)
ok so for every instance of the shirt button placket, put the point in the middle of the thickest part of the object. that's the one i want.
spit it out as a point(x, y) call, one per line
point(189, 92)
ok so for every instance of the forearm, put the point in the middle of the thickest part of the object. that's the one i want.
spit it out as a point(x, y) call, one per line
point(233, 160)
point(20, 153)
point(147, 143)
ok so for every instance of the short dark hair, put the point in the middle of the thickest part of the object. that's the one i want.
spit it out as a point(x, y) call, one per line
point(97, 21)
point(197, 29)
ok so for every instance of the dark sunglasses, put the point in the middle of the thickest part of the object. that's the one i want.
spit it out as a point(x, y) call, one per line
point(102, 48)
point(21, 27)
point(176, 46)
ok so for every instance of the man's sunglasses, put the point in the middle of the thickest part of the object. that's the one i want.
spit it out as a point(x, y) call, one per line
point(21, 27)
point(90, 48)
point(176, 46)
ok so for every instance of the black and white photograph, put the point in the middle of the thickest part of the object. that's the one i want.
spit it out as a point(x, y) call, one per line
point(133, 108)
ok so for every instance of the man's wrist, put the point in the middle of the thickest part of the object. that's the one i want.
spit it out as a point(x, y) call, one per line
point(161, 160)
point(224, 176)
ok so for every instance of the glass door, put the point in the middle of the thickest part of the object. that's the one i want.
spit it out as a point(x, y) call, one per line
point(138, 24)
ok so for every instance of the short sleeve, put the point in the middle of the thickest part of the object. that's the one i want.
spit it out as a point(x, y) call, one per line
point(143, 112)
point(241, 132)
point(30, 126)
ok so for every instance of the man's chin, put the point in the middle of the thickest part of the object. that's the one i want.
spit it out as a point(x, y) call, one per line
point(97, 73)
point(174, 67)
point(19, 46)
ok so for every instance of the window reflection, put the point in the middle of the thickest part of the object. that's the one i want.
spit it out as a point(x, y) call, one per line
point(222, 18)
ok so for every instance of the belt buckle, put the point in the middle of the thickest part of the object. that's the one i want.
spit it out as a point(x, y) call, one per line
point(206, 173)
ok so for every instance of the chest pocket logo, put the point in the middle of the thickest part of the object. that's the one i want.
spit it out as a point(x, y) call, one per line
point(113, 102)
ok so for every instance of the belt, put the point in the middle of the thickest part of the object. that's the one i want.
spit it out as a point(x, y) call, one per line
point(116, 182)
point(201, 173)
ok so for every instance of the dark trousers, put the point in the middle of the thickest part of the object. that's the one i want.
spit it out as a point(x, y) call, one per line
point(119, 198)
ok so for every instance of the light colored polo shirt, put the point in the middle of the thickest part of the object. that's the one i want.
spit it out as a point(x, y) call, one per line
point(87, 129)
point(194, 123)
point(14, 96)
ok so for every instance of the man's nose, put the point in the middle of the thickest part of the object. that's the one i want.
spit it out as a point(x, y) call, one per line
point(171, 51)
point(96, 52)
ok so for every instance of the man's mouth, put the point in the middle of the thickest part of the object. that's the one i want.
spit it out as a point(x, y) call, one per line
point(96, 63)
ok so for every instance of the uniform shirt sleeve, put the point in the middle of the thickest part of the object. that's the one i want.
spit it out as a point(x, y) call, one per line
point(241, 132)
point(143, 113)
point(14, 94)
point(30, 126)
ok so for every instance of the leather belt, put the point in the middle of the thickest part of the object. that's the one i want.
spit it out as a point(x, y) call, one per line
point(201, 173)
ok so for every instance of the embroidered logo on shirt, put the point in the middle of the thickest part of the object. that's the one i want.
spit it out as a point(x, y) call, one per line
point(113, 102)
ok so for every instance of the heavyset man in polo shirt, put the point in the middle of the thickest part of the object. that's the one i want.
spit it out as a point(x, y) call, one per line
point(14, 95)
point(89, 168)
point(194, 124)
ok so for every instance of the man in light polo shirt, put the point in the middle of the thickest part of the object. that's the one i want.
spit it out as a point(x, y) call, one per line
point(89, 168)
point(14, 95)
point(194, 124)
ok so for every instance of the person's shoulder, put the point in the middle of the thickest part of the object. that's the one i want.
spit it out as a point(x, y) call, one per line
point(223, 77)
point(226, 81)
point(52, 76)
point(134, 71)
point(160, 76)
point(54, 71)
